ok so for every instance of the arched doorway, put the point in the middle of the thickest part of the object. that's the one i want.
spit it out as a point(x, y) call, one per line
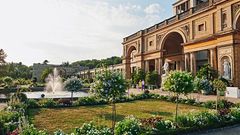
point(130, 61)
point(173, 50)
point(237, 23)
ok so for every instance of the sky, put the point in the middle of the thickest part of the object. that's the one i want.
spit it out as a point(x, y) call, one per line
point(32, 31)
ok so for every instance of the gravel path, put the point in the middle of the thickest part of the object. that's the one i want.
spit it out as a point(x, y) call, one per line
point(202, 98)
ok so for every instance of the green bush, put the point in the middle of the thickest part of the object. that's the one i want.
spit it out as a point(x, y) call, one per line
point(162, 126)
point(32, 103)
point(47, 103)
point(128, 126)
point(18, 101)
point(92, 100)
point(8, 121)
point(235, 112)
point(91, 129)
point(31, 130)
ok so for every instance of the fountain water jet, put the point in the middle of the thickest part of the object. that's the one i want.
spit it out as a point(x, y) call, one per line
point(54, 82)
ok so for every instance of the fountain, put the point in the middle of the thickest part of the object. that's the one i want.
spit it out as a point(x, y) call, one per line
point(54, 89)
point(54, 82)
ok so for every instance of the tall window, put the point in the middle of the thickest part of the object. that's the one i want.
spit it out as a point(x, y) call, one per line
point(202, 58)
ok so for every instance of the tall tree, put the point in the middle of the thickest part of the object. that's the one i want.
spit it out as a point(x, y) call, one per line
point(3, 55)
point(111, 86)
point(179, 83)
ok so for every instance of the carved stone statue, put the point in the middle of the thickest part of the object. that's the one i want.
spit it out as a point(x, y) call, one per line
point(226, 69)
point(166, 68)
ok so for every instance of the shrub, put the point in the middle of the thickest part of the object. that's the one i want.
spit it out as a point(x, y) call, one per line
point(198, 120)
point(18, 101)
point(92, 100)
point(209, 104)
point(31, 130)
point(91, 129)
point(128, 126)
point(32, 103)
point(8, 121)
point(162, 126)
point(48, 103)
point(235, 112)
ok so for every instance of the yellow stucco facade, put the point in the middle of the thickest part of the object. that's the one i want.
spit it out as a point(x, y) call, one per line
point(201, 32)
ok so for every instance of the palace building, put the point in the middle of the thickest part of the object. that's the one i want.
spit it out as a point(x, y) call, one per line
point(200, 32)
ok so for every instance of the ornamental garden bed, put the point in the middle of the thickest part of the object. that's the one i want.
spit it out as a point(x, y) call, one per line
point(69, 118)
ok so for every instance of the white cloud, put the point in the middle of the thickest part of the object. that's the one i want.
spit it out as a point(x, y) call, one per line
point(68, 30)
point(153, 9)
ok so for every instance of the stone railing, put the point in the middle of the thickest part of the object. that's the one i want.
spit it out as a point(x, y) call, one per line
point(201, 6)
point(174, 19)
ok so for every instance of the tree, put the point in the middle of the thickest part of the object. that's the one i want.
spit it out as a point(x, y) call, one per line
point(110, 85)
point(73, 84)
point(152, 78)
point(219, 86)
point(45, 73)
point(180, 83)
point(45, 62)
point(138, 75)
point(3, 55)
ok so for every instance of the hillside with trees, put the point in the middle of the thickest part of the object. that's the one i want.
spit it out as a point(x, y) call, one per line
point(94, 63)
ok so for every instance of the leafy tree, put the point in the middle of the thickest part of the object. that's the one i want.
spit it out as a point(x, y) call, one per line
point(45, 73)
point(152, 78)
point(73, 85)
point(3, 55)
point(219, 86)
point(110, 85)
point(207, 72)
point(94, 63)
point(179, 83)
point(138, 76)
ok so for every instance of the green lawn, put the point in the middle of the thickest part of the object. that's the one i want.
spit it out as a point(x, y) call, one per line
point(69, 118)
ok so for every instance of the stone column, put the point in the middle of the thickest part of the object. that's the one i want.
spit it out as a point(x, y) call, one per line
point(213, 58)
point(146, 66)
point(193, 62)
point(156, 65)
point(187, 59)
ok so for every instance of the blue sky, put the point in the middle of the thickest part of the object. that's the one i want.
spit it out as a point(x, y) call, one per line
point(70, 30)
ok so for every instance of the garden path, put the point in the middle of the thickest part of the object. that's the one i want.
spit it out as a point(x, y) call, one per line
point(201, 98)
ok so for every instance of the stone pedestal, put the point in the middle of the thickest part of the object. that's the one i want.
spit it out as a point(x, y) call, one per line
point(233, 92)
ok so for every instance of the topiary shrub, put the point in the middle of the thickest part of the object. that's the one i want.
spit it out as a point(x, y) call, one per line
point(48, 103)
point(128, 126)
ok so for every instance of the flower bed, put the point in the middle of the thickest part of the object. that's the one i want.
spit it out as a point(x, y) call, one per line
point(130, 125)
